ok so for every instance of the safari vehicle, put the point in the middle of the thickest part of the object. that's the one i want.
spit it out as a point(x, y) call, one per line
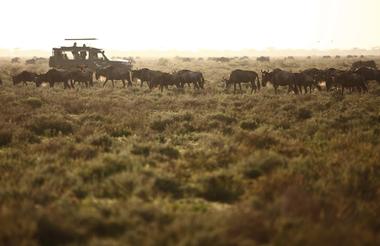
point(72, 57)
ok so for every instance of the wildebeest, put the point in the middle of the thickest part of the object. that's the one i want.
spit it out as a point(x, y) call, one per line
point(243, 76)
point(144, 75)
point(81, 76)
point(306, 79)
point(220, 59)
point(115, 73)
point(54, 76)
point(184, 59)
point(315, 73)
point(1, 81)
point(162, 80)
point(369, 73)
point(189, 77)
point(359, 64)
point(278, 78)
point(329, 76)
point(352, 81)
point(263, 59)
point(326, 57)
point(25, 77)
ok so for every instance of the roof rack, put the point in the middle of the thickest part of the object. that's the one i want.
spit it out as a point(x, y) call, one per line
point(75, 39)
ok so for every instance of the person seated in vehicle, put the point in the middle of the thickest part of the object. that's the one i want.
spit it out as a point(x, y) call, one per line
point(83, 54)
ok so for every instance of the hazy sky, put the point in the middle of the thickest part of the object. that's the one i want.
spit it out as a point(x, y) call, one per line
point(192, 24)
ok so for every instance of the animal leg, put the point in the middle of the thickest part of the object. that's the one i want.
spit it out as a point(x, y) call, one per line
point(105, 82)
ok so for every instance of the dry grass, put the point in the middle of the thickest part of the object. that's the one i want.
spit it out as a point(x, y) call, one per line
point(105, 166)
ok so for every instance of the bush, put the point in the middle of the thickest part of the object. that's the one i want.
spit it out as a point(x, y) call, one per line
point(303, 114)
point(26, 136)
point(103, 141)
point(261, 163)
point(109, 166)
point(51, 125)
point(223, 118)
point(120, 132)
point(160, 125)
point(183, 117)
point(163, 62)
point(5, 137)
point(170, 152)
point(249, 125)
point(81, 151)
point(337, 96)
point(168, 185)
point(221, 188)
point(140, 150)
point(261, 138)
point(34, 102)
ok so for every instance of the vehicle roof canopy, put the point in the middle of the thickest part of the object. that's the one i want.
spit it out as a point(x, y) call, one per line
point(79, 48)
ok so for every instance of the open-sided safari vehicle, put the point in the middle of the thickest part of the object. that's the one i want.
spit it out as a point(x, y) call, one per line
point(72, 57)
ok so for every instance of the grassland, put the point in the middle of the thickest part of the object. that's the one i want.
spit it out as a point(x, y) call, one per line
point(103, 166)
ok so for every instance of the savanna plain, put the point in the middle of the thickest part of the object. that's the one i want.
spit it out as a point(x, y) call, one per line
point(131, 166)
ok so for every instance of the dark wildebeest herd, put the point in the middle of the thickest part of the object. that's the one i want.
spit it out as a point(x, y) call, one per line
point(153, 78)
point(355, 79)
